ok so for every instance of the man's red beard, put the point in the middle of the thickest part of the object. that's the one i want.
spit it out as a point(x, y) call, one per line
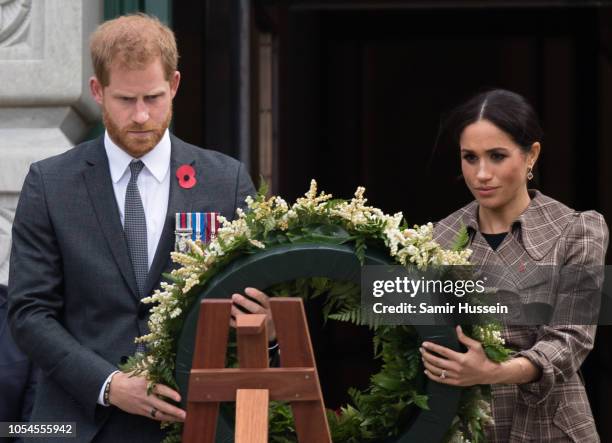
point(136, 146)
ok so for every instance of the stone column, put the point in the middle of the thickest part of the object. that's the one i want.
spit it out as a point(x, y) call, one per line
point(45, 105)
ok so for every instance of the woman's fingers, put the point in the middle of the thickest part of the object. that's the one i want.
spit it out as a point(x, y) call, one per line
point(437, 378)
point(442, 363)
point(437, 370)
point(469, 342)
point(443, 351)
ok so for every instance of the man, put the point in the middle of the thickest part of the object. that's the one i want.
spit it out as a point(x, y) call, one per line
point(93, 232)
point(17, 376)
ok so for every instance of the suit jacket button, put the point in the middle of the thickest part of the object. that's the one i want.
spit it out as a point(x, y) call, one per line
point(123, 360)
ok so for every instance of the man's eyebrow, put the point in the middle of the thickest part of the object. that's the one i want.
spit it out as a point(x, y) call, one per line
point(129, 94)
point(121, 94)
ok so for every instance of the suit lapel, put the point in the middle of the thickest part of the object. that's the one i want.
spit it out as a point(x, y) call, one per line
point(100, 189)
point(180, 200)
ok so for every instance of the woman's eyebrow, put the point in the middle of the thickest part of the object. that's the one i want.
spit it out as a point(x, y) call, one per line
point(496, 148)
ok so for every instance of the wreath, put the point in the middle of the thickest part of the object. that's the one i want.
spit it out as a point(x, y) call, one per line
point(316, 222)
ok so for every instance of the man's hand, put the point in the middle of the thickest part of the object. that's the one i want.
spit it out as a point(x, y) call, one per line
point(261, 305)
point(129, 393)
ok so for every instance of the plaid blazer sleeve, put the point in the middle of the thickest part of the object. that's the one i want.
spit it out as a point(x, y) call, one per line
point(560, 349)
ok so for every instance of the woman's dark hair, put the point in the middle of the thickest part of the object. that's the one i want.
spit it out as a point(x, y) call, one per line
point(507, 110)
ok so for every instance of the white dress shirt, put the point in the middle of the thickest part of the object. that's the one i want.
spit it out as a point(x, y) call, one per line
point(154, 187)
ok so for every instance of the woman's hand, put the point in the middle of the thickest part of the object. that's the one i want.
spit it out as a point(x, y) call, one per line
point(459, 368)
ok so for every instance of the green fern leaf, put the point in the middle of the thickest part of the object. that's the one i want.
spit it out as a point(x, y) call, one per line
point(461, 240)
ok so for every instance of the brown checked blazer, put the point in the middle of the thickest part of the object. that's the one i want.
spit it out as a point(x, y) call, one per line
point(554, 408)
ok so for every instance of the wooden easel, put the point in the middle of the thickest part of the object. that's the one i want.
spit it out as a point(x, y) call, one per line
point(253, 384)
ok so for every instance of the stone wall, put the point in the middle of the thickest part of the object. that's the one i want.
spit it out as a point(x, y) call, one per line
point(45, 105)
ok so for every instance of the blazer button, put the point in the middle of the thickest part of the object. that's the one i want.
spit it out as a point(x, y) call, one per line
point(143, 310)
point(123, 360)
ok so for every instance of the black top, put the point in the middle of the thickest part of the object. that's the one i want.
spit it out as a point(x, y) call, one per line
point(495, 240)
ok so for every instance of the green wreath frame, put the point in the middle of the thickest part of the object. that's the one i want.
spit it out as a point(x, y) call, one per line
point(336, 262)
point(316, 237)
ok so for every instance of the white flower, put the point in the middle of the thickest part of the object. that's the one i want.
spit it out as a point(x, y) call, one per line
point(175, 313)
point(183, 259)
point(196, 247)
point(257, 243)
point(190, 282)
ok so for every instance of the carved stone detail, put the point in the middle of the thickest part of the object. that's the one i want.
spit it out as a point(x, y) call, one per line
point(6, 220)
point(45, 106)
point(14, 20)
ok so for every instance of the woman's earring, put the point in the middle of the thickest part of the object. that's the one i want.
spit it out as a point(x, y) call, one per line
point(529, 173)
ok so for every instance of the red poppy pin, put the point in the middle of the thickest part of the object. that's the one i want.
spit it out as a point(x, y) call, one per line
point(186, 176)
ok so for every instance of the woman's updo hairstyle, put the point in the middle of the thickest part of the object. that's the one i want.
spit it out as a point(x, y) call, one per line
point(507, 110)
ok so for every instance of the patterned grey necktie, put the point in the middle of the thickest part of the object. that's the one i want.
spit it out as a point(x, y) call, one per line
point(135, 228)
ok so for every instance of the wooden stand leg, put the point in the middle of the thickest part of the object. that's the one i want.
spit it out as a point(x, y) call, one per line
point(209, 353)
point(296, 351)
point(252, 341)
point(252, 415)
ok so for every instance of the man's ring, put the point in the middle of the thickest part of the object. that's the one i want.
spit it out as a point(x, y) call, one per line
point(153, 412)
point(443, 374)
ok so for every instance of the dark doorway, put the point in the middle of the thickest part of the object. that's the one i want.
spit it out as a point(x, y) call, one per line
point(361, 94)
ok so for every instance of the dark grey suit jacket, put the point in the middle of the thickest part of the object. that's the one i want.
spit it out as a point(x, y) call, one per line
point(73, 304)
point(17, 375)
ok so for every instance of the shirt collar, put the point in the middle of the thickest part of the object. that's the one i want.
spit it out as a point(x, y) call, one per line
point(157, 161)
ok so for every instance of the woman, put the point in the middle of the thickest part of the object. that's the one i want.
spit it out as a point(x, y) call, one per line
point(538, 394)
